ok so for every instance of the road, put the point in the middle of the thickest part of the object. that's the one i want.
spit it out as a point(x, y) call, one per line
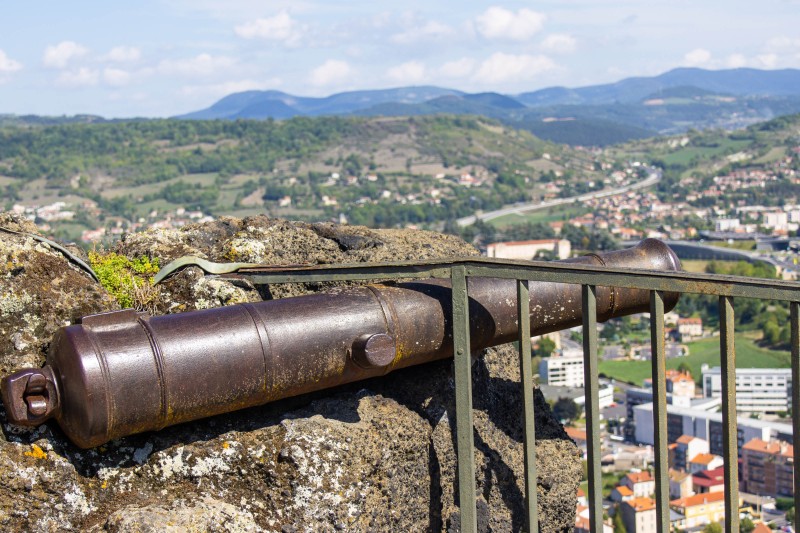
point(652, 179)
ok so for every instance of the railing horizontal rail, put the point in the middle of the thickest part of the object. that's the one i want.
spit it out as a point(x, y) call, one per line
point(666, 281)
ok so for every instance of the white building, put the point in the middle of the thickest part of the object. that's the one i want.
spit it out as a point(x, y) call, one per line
point(562, 371)
point(726, 224)
point(559, 248)
point(758, 390)
point(706, 425)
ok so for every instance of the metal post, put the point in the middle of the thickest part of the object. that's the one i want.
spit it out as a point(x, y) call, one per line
point(463, 381)
point(730, 446)
point(658, 361)
point(795, 310)
point(591, 385)
point(526, 375)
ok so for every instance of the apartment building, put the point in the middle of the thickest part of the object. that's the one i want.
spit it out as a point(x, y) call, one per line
point(758, 390)
point(767, 468)
point(562, 371)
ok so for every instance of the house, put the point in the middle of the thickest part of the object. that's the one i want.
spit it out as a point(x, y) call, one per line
point(700, 509)
point(690, 327)
point(680, 484)
point(582, 524)
point(558, 248)
point(687, 447)
point(704, 461)
point(707, 481)
point(680, 383)
point(641, 483)
point(639, 515)
point(621, 493)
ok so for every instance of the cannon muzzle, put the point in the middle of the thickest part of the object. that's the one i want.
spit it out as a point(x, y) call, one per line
point(124, 372)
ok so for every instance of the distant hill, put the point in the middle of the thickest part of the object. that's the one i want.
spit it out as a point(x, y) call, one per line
point(259, 104)
point(740, 81)
point(598, 115)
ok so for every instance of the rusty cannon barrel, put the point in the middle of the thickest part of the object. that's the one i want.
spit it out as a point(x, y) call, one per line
point(124, 372)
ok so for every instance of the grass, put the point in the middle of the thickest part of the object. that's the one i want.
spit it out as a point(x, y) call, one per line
point(205, 180)
point(552, 214)
point(736, 245)
point(694, 265)
point(774, 154)
point(704, 351)
point(684, 156)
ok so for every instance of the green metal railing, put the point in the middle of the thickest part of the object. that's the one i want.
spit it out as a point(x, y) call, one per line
point(589, 277)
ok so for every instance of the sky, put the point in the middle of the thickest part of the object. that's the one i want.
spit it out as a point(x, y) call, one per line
point(157, 58)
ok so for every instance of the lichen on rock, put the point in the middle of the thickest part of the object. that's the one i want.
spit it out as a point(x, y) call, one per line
point(371, 456)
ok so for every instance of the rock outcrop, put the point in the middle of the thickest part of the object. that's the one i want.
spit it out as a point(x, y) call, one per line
point(371, 456)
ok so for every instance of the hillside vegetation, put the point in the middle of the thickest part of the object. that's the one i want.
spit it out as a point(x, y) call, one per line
point(379, 172)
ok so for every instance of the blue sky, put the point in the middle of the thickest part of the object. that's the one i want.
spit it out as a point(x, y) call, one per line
point(165, 57)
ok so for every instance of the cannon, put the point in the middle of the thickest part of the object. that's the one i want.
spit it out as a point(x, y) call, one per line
point(120, 373)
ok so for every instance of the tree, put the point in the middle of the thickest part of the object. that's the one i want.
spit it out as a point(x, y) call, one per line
point(746, 525)
point(713, 527)
point(545, 347)
point(684, 367)
point(619, 525)
point(566, 409)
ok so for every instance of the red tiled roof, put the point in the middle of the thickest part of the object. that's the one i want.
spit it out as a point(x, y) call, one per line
point(623, 490)
point(771, 447)
point(699, 499)
point(575, 433)
point(703, 458)
point(641, 504)
point(639, 477)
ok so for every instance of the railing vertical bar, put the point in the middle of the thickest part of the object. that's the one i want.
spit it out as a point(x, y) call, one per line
point(526, 374)
point(659, 375)
point(795, 311)
point(463, 382)
point(591, 387)
point(730, 447)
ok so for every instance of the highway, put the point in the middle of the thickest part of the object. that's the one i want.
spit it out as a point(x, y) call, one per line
point(521, 209)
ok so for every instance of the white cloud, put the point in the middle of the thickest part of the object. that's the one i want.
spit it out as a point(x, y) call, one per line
point(116, 77)
point(200, 65)
point(7, 64)
point(407, 73)
point(332, 72)
point(503, 68)
point(768, 60)
point(123, 54)
point(736, 61)
point(59, 55)
point(559, 43)
point(281, 27)
point(416, 34)
point(783, 44)
point(82, 77)
point(697, 57)
point(500, 23)
point(460, 68)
